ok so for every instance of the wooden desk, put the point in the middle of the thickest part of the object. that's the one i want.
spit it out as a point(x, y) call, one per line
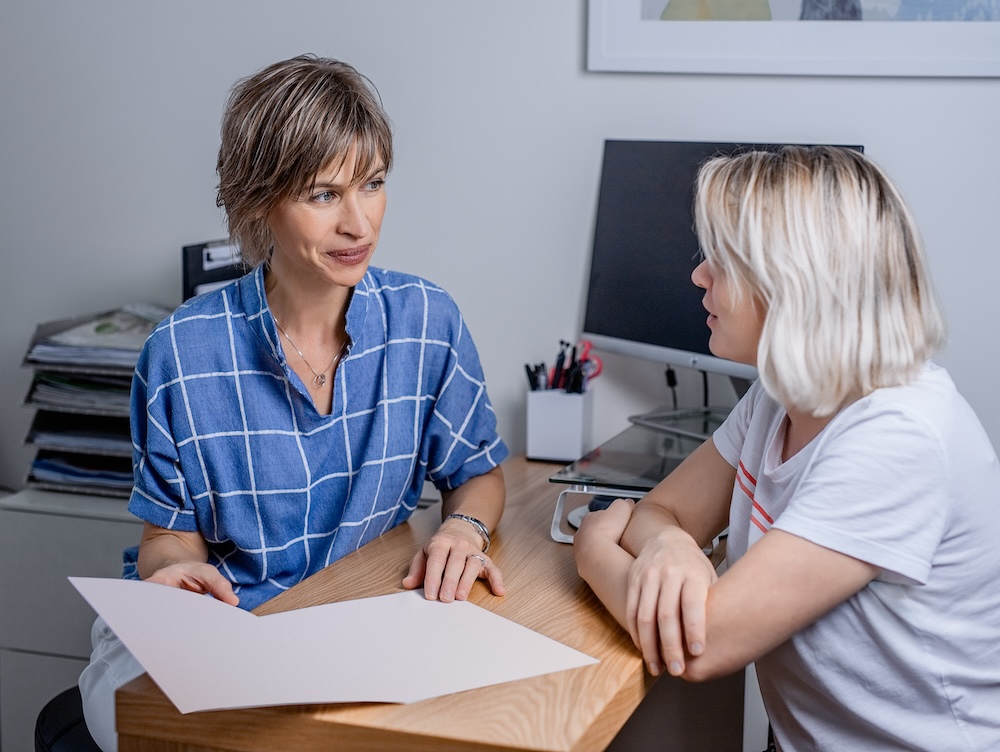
point(581, 709)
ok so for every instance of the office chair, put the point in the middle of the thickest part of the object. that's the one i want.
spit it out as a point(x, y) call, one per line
point(60, 726)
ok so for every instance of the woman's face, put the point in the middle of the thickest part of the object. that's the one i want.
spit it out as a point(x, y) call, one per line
point(330, 232)
point(735, 323)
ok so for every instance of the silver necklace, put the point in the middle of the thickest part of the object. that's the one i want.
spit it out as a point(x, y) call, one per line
point(319, 377)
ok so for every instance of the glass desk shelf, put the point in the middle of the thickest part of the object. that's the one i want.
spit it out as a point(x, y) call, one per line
point(627, 466)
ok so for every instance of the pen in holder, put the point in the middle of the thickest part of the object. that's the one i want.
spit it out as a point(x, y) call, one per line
point(559, 424)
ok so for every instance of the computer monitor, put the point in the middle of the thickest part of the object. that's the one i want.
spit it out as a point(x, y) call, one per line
point(641, 301)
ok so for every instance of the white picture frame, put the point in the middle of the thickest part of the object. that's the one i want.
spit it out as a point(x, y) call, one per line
point(618, 39)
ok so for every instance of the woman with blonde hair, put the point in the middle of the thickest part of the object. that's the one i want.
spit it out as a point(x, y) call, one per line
point(859, 489)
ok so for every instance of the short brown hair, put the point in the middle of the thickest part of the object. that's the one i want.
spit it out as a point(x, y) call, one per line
point(284, 124)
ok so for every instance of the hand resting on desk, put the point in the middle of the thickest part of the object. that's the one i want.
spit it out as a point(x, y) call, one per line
point(448, 565)
point(453, 559)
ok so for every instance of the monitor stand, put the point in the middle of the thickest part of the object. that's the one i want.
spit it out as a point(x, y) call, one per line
point(694, 422)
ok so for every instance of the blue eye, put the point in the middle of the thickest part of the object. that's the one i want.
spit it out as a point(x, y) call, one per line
point(323, 197)
point(374, 185)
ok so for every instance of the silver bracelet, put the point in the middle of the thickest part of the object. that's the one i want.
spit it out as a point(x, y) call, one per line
point(480, 528)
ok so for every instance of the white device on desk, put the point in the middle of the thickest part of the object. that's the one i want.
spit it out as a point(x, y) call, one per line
point(629, 465)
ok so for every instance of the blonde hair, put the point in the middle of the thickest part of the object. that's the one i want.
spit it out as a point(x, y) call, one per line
point(821, 239)
point(281, 127)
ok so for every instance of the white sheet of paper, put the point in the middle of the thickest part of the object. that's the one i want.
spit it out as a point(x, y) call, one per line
point(207, 655)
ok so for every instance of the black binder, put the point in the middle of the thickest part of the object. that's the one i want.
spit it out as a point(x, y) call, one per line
point(207, 266)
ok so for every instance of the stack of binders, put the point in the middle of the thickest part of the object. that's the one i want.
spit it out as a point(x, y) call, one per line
point(83, 375)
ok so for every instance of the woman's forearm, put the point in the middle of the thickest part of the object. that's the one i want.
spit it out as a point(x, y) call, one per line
point(648, 521)
point(161, 548)
point(695, 497)
point(481, 497)
point(604, 566)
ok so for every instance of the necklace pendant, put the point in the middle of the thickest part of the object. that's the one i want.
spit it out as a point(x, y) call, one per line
point(320, 379)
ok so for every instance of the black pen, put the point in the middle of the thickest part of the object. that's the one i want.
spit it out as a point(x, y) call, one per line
point(557, 374)
point(532, 377)
point(576, 378)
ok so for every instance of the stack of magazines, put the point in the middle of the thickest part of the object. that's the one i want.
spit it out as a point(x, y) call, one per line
point(83, 374)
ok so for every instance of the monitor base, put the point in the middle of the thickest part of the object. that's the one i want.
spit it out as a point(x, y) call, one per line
point(695, 422)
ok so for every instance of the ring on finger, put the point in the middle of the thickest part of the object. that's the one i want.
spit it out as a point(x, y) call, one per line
point(482, 559)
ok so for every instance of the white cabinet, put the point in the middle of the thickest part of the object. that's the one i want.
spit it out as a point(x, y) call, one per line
point(46, 537)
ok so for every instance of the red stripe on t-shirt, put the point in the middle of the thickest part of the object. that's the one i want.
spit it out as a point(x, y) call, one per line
point(764, 514)
point(752, 494)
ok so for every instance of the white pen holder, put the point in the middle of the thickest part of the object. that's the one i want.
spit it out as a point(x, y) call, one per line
point(559, 424)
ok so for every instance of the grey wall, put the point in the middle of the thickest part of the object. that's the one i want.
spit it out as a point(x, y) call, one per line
point(109, 116)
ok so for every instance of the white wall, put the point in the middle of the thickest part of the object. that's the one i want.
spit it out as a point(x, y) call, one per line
point(109, 117)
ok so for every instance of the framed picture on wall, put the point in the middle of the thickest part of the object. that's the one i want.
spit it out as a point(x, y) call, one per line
point(958, 38)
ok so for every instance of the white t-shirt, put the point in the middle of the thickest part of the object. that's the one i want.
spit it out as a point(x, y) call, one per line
point(905, 479)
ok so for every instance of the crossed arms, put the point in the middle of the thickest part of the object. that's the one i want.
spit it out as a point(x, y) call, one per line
point(645, 562)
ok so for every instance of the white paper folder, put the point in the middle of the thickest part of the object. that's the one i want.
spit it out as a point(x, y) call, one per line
point(207, 655)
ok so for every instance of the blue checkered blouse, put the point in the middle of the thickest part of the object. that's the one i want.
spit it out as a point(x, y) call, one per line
point(227, 441)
